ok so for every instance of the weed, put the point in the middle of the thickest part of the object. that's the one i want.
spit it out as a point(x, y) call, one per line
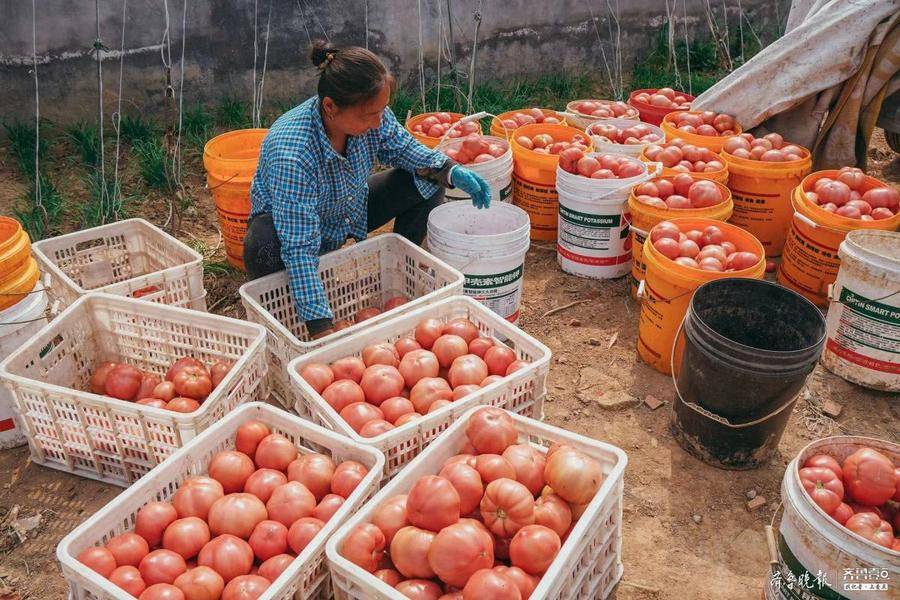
point(41, 220)
point(104, 204)
point(136, 129)
point(218, 269)
point(85, 139)
point(21, 138)
point(233, 114)
point(197, 126)
point(154, 165)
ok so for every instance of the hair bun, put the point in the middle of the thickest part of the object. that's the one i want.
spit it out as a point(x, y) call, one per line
point(319, 54)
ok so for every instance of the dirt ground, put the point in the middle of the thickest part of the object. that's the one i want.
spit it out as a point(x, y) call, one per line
point(687, 531)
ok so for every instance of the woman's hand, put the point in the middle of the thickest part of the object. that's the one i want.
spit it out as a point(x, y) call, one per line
point(473, 184)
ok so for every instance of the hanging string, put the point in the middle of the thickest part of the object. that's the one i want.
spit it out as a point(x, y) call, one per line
point(262, 78)
point(318, 22)
point(176, 154)
point(670, 38)
point(38, 199)
point(421, 55)
point(117, 121)
point(440, 19)
point(477, 16)
point(741, 30)
point(612, 84)
point(165, 52)
point(687, 48)
point(98, 46)
point(255, 53)
point(367, 24)
point(303, 21)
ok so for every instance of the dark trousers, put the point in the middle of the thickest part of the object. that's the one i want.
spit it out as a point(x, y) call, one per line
point(392, 195)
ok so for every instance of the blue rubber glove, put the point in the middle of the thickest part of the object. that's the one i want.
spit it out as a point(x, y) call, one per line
point(471, 183)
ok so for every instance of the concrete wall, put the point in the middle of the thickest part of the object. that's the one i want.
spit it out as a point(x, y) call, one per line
point(517, 37)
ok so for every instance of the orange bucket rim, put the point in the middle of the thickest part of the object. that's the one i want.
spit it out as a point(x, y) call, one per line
point(541, 128)
point(210, 146)
point(414, 120)
point(769, 165)
point(835, 221)
point(14, 227)
point(671, 116)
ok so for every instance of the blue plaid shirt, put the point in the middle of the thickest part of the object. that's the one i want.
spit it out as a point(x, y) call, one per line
point(318, 198)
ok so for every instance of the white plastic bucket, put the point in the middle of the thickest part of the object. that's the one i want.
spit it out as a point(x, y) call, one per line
point(17, 323)
point(863, 323)
point(817, 543)
point(593, 237)
point(605, 147)
point(580, 121)
point(488, 246)
point(497, 172)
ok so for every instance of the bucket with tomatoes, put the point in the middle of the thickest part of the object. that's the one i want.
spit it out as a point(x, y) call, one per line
point(654, 104)
point(500, 506)
point(706, 129)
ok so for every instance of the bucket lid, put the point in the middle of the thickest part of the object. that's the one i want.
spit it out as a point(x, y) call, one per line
point(880, 248)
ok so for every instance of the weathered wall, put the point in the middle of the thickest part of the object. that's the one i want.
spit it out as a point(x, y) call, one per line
point(517, 37)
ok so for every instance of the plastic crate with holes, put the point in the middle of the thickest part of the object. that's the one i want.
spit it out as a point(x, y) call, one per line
point(589, 563)
point(113, 440)
point(128, 258)
point(521, 392)
point(307, 576)
point(358, 276)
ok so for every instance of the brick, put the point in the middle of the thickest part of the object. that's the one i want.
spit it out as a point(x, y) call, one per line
point(653, 402)
point(832, 409)
point(756, 504)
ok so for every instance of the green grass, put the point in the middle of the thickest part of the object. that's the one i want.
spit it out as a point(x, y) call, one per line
point(218, 269)
point(86, 141)
point(233, 114)
point(136, 129)
point(103, 205)
point(197, 126)
point(154, 164)
point(38, 222)
point(21, 138)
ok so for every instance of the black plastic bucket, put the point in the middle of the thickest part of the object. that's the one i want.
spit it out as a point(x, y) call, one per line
point(749, 347)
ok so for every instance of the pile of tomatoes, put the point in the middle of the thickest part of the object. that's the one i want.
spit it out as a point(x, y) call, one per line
point(706, 249)
point(543, 143)
point(186, 385)
point(475, 149)
point(857, 494)
point(705, 122)
point(231, 533)
point(390, 385)
point(639, 133)
point(437, 125)
point(364, 314)
point(681, 191)
point(844, 196)
point(529, 117)
point(488, 525)
point(605, 109)
point(664, 98)
point(600, 166)
point(769, 148)
point(678, 155)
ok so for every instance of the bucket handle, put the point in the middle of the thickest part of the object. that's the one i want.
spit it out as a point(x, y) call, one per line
point(657, 169)
point(702, 411)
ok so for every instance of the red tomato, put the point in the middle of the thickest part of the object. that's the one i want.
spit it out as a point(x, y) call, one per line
point(181, 363)
point(380, 354)
point(98, 377)
point(871, 527)
point(302, 532)
point(98, 559)
point(152, 519)
point(186, 536)
point(162, 591)
point(574, 476)
point(123, 382)
point(842, 513)
point(347, 476)
point(409, 552)
point(249, 435)
point(394, 302)
point(128, 549)
point(896, 497)
point(227, 555)
point(350, 367)
point(246, 587)
point(432, 503)
point(467, 369)
point(418, 364)
point(390, 576)
point(194, 496)
point(317, 375)
point(380, 382)
point(390, 517)
point(269, 538)
point(515, 366)
point(148, 384)
point(427, 391)
point(200, 583)
point(164, 391)
point(275, 451)
point(359, 413)
point(129, 579)
point(326, 507)
point(465, 458)
point(193, 382)
point(491, 431)
point(275, 566)
point(406, 345)
point(219, 370)
point(883, 197)
point(492, 467)
point(428, 331)
point(182, 405)
point(343, 393)
point(507, 506)
point(488, 583)
point(315, 471)
point(289, 502)
point(264, 481)
point(448, 348)
point(457, 551)
point(376, 427)
point(467, 483)
point(479, 346)
point(464, 328)
point(161, 566)
point(823, 486)
point(237, 514)
point(231, 469)
point(498, 359)
point(462, 391)
point(553, 512)
point(396, 407)
point(533, 548)
point(529, 466)
point(364, 546)
point(419, 589)
point(869, 477)
point(525, 582)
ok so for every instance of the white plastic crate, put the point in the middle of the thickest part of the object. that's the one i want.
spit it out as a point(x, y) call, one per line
point(364, 274)
point(522, 392)
point(114, 440)
point(588, 565)
point(122, 258)
point(306, 577)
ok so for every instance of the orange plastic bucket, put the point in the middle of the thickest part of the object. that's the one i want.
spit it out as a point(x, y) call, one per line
point(668, 287)
point(17, 283)
point(230, 160)
point(810, 261)
point(762, 196)
point(720, 176)
point(15, 246)
point(534, 178)
point(425, 140)
point(650, 113)
point(713, 142)
point(498, 130)
point(644, 217)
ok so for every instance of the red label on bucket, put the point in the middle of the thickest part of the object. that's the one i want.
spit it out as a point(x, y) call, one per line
point(863, 361)
point(7, 424)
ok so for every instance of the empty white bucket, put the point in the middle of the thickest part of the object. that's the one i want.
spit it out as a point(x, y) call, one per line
point(488, 246)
